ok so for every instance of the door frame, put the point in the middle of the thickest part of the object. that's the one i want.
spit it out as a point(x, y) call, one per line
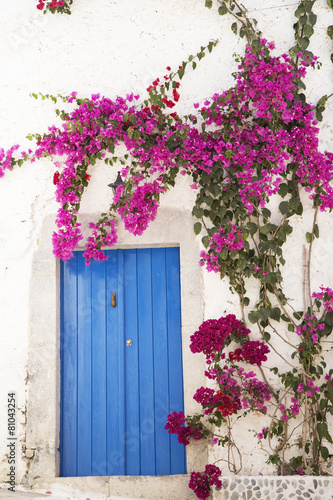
point(173, 227)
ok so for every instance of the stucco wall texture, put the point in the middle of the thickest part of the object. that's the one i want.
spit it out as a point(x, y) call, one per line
point(115, 47)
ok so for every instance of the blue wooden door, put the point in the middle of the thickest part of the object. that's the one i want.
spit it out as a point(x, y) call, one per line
point(121, 364)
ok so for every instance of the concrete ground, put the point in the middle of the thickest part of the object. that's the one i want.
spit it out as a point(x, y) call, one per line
point(58, 492)
point(20, 495)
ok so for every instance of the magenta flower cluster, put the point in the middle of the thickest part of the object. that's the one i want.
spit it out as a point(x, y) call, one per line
point(175, 425)
point(310, 327)
point(102, 235)
point(141, 208)
point(211, 401)
point(231, 239)
point(6, 159)
point(259, 130)
point(213, 333)
point(238, 389)
point(290, 412)
point(326, 295)
point(175, 422)
point(265, 90)
point(201, 483)
point(255, 393)
point(309, 388)
point(253, 352)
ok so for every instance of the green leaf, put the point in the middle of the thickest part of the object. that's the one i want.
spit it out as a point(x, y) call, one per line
point(208, 200)
point(234, 28)
point(283, 207)
point(223, 9)
point(304, 43)
point(291, 327)
point(198, 212)
point(308, 237)
point(181, 73)
point(303, 19)
point(312, 19)
point(267, 336)
point(264, 313)
point(266, 212)
point(253, 316)
point(308, 31)
point(322, 404)
point(329, 318)
point(324, 452)
point(197, 227)
point(308, 5)
point(224, 253)
point(299, 11)
point(283, 190)
point(275, 313)
point(264, 229)
point(330, 31)
point(252, 228)
point(322, 429)
point(205, 241)
point(330, 3)
point(316, 231)
point(322, 101)
point(209, 4)
point(330, 393)
point(294, 203)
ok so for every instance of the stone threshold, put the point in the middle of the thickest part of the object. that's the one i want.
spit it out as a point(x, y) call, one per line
point(117, 487)
point(176, 488)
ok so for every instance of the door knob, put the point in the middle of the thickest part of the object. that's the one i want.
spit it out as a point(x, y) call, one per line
point(129, 342)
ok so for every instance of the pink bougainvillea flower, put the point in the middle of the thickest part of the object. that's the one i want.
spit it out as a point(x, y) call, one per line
point(56, 177)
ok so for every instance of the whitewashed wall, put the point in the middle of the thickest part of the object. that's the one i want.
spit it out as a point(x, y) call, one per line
point(114, 47)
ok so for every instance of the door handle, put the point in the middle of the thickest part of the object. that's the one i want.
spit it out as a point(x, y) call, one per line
point(113, 299)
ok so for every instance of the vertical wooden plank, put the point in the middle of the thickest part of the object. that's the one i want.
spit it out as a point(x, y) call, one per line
point(132, 417)
point(115, 375)
point(161, 362)
point(146, 363)
point(84, 369)
point(68, 356)
point(98, 352)
point(178, 456)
